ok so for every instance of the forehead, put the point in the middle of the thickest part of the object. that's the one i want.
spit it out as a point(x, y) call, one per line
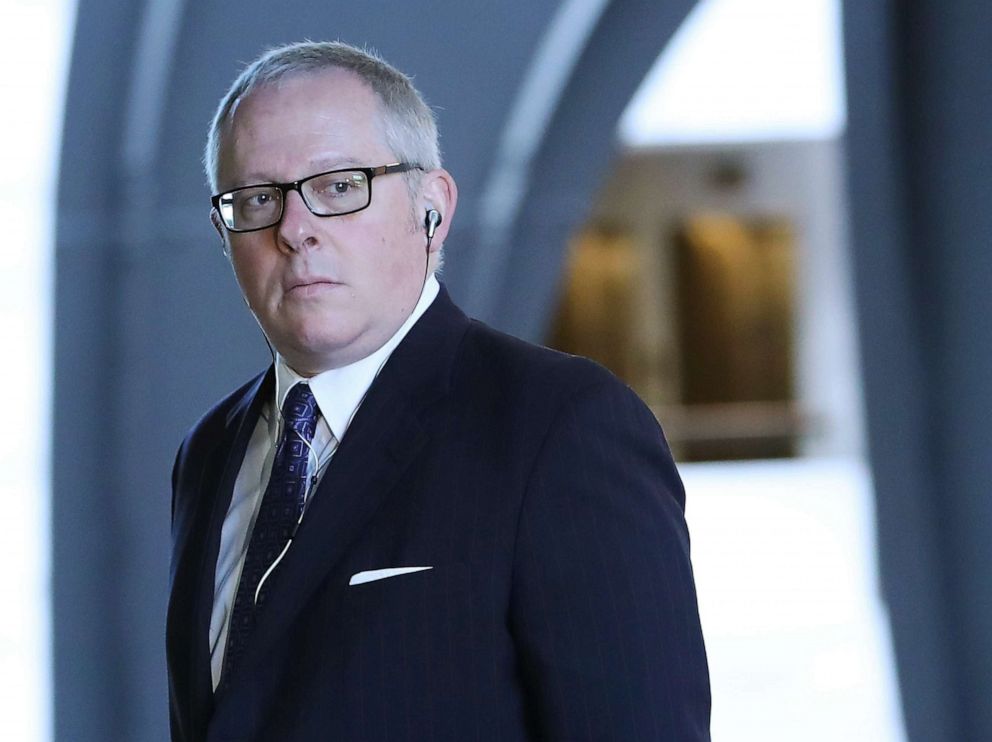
point(299, 125)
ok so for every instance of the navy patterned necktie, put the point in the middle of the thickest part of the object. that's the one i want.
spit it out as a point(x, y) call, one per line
point(282, 506)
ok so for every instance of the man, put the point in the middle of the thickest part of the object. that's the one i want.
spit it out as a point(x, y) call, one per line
point(410, 526)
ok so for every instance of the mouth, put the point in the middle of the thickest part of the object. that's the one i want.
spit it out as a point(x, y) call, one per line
point(311, 286)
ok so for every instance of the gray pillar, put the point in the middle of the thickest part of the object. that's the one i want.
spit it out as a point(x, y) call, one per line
point(919, 158)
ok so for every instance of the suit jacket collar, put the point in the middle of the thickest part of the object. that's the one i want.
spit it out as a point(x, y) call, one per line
point(340, 391)
point(386, 435)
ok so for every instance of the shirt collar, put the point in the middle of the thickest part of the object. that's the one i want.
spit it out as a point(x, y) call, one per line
point(340, 391)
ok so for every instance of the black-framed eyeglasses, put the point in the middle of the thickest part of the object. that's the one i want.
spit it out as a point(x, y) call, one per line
point(334, 193)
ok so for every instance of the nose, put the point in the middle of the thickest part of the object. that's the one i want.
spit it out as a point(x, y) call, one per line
point(295, 232)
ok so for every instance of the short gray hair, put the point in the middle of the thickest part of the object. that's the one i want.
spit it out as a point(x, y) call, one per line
point(408, 123)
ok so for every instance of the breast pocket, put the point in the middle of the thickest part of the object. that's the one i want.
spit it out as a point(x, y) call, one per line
point(409, 609)
point(391, 653)
point(409, 591)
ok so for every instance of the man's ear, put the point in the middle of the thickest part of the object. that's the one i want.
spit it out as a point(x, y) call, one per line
point(221, 231)
point(438, 191)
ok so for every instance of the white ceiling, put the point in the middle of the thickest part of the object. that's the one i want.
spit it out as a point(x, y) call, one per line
point(744, 70)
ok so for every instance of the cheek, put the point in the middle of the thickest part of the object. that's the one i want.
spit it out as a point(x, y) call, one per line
point(386, 259)
point(255, 275)
point(255, 287)
point(401, 264)
point(244, 270)
point(407, 248)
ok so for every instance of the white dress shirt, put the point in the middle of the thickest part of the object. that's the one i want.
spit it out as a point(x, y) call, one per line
point(339, 393)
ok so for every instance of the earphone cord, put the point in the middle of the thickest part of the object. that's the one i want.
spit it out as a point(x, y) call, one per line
point(318, 467)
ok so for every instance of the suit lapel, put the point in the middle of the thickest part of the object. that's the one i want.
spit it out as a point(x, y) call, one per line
point(387, 434)
point(199, 545)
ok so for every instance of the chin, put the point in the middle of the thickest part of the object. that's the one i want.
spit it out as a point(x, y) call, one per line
point(314, 354)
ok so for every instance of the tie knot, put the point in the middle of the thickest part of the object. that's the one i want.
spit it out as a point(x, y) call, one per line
point(300, 410)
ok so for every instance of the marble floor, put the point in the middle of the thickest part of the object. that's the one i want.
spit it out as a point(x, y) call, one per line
point(796, 633)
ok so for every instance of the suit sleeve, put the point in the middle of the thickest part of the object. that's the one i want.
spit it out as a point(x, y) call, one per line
point(603, 608)
point(175, 483)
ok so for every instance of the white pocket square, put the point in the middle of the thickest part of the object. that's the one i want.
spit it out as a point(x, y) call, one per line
point(381, 574)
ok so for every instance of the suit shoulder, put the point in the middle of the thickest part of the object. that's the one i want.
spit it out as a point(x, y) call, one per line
point(513, 363)
point(215, 419)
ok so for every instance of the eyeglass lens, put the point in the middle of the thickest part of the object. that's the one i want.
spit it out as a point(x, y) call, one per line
point(325, 195)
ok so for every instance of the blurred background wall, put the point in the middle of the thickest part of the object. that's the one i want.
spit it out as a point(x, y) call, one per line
point(800, 300)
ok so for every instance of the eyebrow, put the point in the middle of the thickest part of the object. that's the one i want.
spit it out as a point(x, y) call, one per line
point(317, 165)
point(333, 163)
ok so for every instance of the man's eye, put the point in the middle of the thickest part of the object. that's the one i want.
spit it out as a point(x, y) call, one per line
point(341, 186)
point(338, 188)
point(256, 200)
point(259, 199)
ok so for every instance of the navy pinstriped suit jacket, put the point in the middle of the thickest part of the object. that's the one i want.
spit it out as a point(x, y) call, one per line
point(561, 603)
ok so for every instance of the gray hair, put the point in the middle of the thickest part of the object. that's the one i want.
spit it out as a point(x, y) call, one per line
point(408, 124)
